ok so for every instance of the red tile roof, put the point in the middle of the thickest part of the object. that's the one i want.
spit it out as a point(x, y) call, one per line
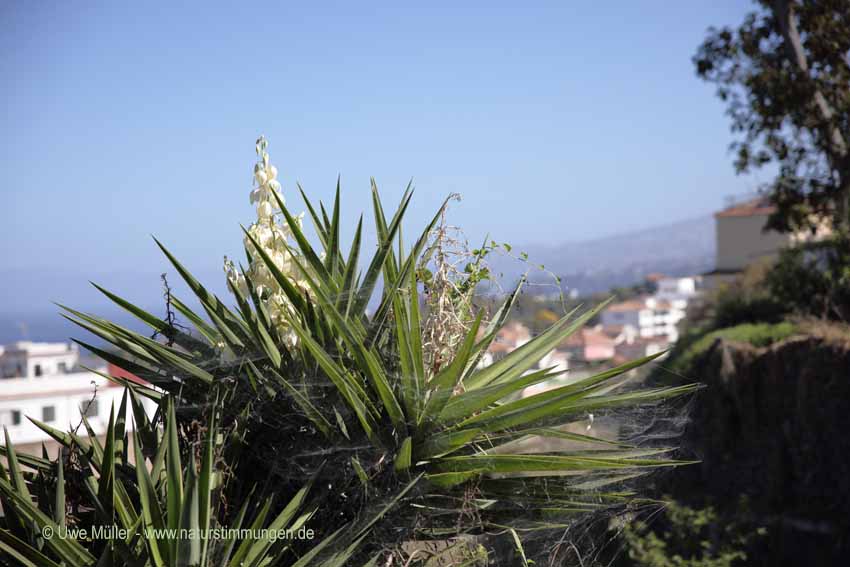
point(753, 207)
point(595, 337)
point(588, 337)
point(509, 337)
point(119, 372)
point(630, 305)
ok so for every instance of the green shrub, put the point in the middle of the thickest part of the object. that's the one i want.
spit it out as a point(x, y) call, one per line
point(733, 309)
point(756, 334)
point(747, 299)
point(688, 537)
point(814, 279)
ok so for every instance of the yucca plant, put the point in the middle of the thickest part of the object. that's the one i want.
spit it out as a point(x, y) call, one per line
point(314, 394)
point(141, 506)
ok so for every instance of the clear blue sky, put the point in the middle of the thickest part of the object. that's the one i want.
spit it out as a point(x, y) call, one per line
point(556, 121)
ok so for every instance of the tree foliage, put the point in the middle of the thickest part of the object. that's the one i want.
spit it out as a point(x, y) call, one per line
point(814, 279)
point(784, 75)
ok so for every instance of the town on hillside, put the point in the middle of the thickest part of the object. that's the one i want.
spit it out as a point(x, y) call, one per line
point(648, 321)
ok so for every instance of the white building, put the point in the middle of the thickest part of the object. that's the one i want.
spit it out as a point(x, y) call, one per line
point(652, 316)
point(678, 291)
point(29, 359)
point(44, 381)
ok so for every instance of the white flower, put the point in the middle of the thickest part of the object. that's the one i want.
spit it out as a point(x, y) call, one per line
point(272, 238)
point(264, 210)
point(235, 280)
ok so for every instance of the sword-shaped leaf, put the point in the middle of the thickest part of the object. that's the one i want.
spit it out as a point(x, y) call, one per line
point(67, 549)
point(227, 324)
point(526, 356)
point(317, 223)
point(151, 511)
point(174, 475)
point(25, 554)
point(159, 325)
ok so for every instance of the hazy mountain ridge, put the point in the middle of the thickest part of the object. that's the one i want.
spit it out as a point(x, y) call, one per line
point(680, 248)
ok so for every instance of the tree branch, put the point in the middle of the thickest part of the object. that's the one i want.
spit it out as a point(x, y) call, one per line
point(783, 12)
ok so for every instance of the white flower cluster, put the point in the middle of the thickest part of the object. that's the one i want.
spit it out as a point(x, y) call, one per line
point(272, 235)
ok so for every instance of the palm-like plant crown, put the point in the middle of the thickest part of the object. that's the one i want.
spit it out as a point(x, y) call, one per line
point(302, 406)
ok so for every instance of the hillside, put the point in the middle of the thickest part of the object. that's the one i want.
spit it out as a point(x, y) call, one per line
point(680, 248)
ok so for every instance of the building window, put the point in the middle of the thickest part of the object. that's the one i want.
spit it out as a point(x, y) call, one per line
point(48, 414)
point(10, 417)
point(89, 408)
point(38, 370)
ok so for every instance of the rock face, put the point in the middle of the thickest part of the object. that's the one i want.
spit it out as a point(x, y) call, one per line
point(773, 425)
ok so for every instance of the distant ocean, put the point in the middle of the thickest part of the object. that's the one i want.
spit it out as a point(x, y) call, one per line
point(50, 327)
point(26, 311)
